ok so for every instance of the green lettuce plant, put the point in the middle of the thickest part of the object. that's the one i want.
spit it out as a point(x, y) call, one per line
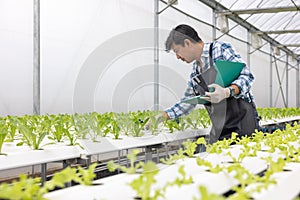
point(190, 147)
point(27, 188)
point(173, 158)
point(220, 145)
point(3, 134)
point(138, 124)
point(124, 122)
point(115, 129)
point(154, 125)
point(191, 122)
point(205, 195)
point(74, 126)
point(183, 180)
point(93, 126)
point(143, 184)
point(11, 128)
point(131, 169)
point(77, 127)
point(33, 129)
point(179, 125)
point(59, 129)
point(214, 169)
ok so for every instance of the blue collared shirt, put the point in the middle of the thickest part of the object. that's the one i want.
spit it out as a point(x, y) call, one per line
point(220, 51)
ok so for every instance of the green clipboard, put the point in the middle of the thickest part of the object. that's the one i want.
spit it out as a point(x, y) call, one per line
point(227, 72)
point(195, 100)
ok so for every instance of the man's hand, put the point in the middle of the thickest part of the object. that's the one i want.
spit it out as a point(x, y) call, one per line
point(218, 94)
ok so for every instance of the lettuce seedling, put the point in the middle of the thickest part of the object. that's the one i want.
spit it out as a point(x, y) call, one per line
point(131, 169)
point(143, 184)
point(192, 123)
point(115, 129)
point(211, 168)
point(24, 189)
point(12, 128)
point(177, 124)
point(155, 121)
point(33, 130)
point(124, 122)
point(27, 188)
point(173, 158)
point(184, 180)
point(138, 126)
point(189, 147)
point(59, 128)
point(3, 134)
point(238, 159)
point(205, 195)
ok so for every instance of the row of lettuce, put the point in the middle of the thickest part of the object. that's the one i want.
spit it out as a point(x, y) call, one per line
point(32, 129)
point(282, 147)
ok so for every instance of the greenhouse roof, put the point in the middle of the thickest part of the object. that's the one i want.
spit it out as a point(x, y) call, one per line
point(275, 19)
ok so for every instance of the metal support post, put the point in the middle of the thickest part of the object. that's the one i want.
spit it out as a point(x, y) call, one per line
point(36, 58)
point(156, 55)
point(148, 153)
point(271, 77)
point(43, 173)
point(32, 170)
point(214, 27)
point(127, 161)
point(167, 149)
point(287, 81)
point(248, 48)
point(157, 154)
point(298, 85)
point(119, 159)
point(89, 160)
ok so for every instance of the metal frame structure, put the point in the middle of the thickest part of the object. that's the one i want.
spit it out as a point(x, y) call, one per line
point(234, 16)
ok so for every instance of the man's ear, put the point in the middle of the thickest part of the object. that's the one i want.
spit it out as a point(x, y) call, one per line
point(187, 42)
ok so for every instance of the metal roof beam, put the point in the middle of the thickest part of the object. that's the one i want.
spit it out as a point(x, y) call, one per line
point(259, 10)
point(278, 31)
point(289, 45)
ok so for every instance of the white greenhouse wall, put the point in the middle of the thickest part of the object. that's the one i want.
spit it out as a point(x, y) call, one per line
point(97, 55)
point(260, 67)
point(16, 47)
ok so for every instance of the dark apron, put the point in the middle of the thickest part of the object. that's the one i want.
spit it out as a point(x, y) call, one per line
point(229, 115)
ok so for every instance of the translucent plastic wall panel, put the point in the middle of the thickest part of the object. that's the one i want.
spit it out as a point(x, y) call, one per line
point(260, 67)
point(235, 30)
point(292, 87)
point(170, 18)
point(292, 83)
point(174, 73)
point(255, 4)
point(277, 96)
point(131, 87)
point(16, 58)
point(90, 62)
point(196, 9)
point(76, 31)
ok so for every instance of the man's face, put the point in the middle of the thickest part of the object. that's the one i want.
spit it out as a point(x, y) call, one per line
point(184, 53)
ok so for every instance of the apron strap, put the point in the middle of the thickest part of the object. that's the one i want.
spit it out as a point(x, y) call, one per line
point(211, 63)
